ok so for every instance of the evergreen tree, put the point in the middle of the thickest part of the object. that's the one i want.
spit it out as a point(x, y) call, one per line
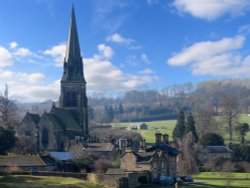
point(190, 127)
point(110, 113)
point(7, 139)
point(242, 129)
point(179, 129)
point(120, 109)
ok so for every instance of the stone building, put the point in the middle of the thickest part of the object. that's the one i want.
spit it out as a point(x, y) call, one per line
point(138, 126)
point(62, 124)
point(159, 159)
point(210, 157)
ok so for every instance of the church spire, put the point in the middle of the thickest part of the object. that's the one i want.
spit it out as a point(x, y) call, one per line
point(73, 47)
point(73, 66)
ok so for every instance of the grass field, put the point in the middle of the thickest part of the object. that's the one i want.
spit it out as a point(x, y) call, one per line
point(204, 180)
point(167, 126)
point(216, 180)
point(43, 182)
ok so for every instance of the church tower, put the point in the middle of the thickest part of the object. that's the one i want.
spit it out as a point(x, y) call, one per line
point(73, 85)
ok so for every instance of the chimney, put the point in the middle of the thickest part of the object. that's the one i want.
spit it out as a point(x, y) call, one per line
point(157, 138)
point(165, 138)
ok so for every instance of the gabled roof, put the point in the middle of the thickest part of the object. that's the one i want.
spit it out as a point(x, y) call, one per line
point(34, 117)
point(218, 149)
point(163, 147)
point(20, 160)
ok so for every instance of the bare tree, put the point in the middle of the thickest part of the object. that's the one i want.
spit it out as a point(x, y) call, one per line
point(230, 110)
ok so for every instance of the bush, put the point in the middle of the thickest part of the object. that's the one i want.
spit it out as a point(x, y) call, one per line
point(212, 139)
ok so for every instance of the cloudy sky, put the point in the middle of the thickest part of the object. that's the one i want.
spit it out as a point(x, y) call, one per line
point(125, 44)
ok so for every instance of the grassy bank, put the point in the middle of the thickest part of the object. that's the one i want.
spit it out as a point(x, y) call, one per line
point(43, 182)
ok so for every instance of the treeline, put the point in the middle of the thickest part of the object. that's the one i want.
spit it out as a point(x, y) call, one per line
point(207, 98)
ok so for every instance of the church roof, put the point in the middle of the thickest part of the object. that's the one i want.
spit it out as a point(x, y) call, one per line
point(67, 118)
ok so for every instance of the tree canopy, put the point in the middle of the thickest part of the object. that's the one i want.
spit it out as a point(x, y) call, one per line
point(212, 139)
point(179, 129)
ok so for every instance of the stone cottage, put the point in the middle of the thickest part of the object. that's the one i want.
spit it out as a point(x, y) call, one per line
point(159, 159)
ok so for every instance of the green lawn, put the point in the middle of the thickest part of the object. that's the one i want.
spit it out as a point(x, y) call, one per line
point(167, 126)
point(43, 182)
point(216, 180)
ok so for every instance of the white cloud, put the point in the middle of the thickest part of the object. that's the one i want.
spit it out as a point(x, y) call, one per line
point(5, 57)
point(105, 51)
point(129, 43)
point(58, 53)
point(13, 45)
point(117, 38)
point(145, 59)
point(22, 52)
point(147, 71)
point(30, 92)
point(102, 75)
point(27, 87)
point(215, 58)
point(21, 76)
point(212, 9)
point(204, 50)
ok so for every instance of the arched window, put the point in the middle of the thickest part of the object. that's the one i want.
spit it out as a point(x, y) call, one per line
point(45, 137)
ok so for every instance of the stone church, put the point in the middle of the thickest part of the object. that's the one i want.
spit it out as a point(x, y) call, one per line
point(53, 131)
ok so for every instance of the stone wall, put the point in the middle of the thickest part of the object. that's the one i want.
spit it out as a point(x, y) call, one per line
point(112, 180)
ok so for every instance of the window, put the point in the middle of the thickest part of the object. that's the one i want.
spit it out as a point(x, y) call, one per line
point(27, 134)
point(45, 137)
point(162, 164)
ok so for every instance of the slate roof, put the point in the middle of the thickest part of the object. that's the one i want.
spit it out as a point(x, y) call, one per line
point(218, 149)
point(66, 118)
point(99, 147)
point(61, 156)
point(34, 117)
point(21, 160)
point(163, 147)
point(144, 157)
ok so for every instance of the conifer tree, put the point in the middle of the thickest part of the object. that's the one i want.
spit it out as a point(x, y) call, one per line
point(179, 129)
point(190, 127)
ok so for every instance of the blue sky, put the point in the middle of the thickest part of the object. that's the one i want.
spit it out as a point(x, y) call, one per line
point(125, 44)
